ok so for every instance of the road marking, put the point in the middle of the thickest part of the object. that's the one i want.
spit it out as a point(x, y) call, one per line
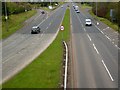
point(37, 17)
point(84, 29)
point(117, 46)
point(47, 28)
point(95, 48)
point(49, 23)
point(107, 71)
point(102, 32)
point(89, 37)
point(107, 37)
point(82, 25)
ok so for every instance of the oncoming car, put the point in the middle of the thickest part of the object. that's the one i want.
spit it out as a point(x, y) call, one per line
point(35, 30)
point(88, 22)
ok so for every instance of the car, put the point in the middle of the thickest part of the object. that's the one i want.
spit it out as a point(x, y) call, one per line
point(77, 11)
point(42, 12)
point(88, 22)
point(35, 30)
point(74, 6)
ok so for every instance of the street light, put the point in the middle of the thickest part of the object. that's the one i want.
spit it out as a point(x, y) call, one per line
point(6, 17)
point(96, 12)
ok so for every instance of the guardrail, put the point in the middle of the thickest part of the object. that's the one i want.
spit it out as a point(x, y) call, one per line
point(66, 65)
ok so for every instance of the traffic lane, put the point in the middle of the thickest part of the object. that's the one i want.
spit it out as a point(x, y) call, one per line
point(101, 68)
point(17, 45)
point(102, 38)
point(107, 50)
point(91, 72)
point(16, 63)
point(104, 28)
point(18, 36)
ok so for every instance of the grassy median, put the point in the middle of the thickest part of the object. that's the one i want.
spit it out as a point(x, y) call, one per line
point(45, 70)
point(15, 22)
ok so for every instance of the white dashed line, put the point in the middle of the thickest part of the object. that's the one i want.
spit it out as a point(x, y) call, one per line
point(95, 48)
point(89, 37)
point(84, 29)
point(107, 70)
point(47, 28)
point(49, 24)
point(82, 25)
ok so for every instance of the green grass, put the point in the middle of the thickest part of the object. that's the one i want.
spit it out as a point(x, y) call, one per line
point(106, 21)
point(84, 6)
point(15, 22)
point(45, 70)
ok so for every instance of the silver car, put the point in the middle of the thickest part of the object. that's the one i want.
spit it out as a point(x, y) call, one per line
point(35, 30)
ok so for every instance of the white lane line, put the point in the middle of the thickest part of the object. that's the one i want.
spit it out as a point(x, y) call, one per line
point(107, 71)
point(84, 29)
point(102, 32)
point(95, 48)
point(89, 37)
point(49, 23)
point(47, 28)
point(117, 46)
point(37, 17)
point(82, 25)
point(107, 37)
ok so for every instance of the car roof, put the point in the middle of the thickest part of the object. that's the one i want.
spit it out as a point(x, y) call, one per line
point(35, 27)
point(87, 19)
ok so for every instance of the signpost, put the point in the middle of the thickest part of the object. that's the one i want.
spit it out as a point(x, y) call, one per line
point(62, 29)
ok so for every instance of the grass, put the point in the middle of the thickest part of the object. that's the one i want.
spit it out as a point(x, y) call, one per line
point(45, 70)
point(15, 22)
point(84, 6)
point(106, 21)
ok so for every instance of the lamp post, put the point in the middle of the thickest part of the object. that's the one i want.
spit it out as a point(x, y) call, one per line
point(6, 17)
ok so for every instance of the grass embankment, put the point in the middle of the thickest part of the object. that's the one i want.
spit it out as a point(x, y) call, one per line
point(104, 20)
point(15, 22)
point(45, 70)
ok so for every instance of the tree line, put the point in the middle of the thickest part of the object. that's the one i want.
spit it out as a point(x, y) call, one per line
point(19, 7)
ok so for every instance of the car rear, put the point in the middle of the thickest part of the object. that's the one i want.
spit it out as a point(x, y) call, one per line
point(88, 22)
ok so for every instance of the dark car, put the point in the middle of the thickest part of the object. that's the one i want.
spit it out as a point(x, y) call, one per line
point(35, 30)
point(43, 12)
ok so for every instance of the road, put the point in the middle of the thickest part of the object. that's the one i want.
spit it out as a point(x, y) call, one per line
point(95, 57)
point(22, 48)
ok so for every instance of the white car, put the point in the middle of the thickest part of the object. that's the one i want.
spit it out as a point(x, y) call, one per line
point(77, 11)
point(88, 22)
point(35, 30)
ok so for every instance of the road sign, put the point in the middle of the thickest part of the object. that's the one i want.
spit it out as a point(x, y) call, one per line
point(61, 28)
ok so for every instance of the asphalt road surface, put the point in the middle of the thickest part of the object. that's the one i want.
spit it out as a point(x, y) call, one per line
point(22, 47)
point(95, 58)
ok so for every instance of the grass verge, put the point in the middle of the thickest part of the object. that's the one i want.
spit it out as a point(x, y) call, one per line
point(45, 70)
point(15, 22)
point(106, 21)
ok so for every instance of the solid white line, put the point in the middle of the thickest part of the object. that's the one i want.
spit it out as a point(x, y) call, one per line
point(95, 48)
point(107, 37)
point(89, 37)
point(107, 70)
point(102, 32)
